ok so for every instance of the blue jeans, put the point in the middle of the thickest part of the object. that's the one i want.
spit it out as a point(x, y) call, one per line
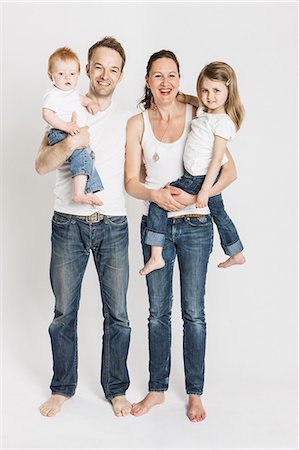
point(157, 217)
point(190, 239)
point(81, 162)
point(72, 240)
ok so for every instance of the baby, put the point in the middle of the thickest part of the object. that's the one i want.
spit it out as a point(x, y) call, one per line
point(59, 103)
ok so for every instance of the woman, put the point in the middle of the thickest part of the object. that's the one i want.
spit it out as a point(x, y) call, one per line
point(157, 137)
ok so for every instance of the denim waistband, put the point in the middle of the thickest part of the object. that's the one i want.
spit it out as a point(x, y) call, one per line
point(93, 218)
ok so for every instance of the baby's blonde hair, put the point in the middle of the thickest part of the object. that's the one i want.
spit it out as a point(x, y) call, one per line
point(221, 71)
point(63, 54)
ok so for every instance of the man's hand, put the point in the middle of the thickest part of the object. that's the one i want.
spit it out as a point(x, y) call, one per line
point(202, 199)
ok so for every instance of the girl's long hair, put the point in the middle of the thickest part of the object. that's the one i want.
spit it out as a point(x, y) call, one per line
point(221, 71)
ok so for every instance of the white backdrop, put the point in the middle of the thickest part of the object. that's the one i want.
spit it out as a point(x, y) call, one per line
point(251, 388)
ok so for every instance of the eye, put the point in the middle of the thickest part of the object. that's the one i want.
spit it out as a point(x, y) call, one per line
point(204, 91)
point(216, 90)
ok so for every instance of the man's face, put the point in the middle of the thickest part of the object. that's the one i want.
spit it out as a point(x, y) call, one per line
point(104, 71)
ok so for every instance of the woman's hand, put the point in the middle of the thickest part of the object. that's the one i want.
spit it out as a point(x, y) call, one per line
point(166, 199)
point(181, 196)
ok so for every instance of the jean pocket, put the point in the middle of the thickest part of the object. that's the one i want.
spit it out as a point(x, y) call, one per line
point(199, 221)
point(117, 220)
point(60, 219)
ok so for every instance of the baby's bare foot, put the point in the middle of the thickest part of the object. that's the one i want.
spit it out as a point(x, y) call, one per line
point(143, 407)
point(52, 406)
point(239, 258)
point(195, 410)
point(90, 199)
point(121, 406)
point(152, 264)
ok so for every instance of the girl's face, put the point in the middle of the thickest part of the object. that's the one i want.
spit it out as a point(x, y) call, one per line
point(213, 94)
point(163, 80)
point(65, 74)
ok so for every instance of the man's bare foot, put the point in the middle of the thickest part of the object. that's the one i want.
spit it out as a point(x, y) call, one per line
point(239, 258)
point(52, 406)
point(90, 199)
point(195, 410)
point(121, 406)
point(152, 264)
point(143, 407)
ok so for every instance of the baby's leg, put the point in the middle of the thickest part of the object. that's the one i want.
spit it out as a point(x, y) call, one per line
point(155, 262)
point(78, 191)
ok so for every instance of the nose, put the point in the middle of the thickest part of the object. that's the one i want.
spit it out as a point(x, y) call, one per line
point(104, 73)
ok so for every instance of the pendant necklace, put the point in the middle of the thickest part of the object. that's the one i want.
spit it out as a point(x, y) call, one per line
point(156, 156)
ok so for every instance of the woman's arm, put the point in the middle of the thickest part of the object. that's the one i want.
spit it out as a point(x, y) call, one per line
point(133, 166)
point(49, 158)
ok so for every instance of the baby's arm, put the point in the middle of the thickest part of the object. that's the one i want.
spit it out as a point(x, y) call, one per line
point(218, 153)
point(91, 106)
point(52, 119)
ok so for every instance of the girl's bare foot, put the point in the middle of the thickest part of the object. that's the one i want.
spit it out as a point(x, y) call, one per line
point(239, 258)
point(152, 264)
point(90, 199)
point(143, 407)
point(52, 406)
point(195, 410)
point(121, 406)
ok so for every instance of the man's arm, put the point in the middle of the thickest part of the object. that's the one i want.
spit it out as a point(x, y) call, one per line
point(50, 157)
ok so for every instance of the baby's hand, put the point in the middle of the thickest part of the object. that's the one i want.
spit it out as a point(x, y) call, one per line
point(93, 108)
point(72, 128)
point(202, 199)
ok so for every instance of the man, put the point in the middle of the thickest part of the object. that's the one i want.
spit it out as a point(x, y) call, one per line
point(79, 228)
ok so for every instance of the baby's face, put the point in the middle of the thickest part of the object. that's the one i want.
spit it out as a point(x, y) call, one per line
point(65, 74)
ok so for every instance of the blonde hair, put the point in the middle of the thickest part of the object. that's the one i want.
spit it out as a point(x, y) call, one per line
point(63, 54)
point(221, 71)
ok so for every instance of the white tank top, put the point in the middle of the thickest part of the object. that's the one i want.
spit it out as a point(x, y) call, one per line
point(164, 161)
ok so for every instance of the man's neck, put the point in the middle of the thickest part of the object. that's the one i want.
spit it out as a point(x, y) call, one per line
point(104, 101)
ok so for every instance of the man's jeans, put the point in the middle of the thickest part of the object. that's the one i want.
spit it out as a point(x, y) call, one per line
point(157, 217)
point(190, 239)
point(81, 162)
point(72, 240)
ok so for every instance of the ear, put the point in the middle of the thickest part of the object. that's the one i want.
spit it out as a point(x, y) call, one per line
point(120, 77)
point(87, 70)
point(146, 81)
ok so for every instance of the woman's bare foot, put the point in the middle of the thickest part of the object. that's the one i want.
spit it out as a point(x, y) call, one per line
point(143, 407)
point(121, 406)
point(239, 258)
point(152, 264)
point(195, 410)
point(90, 199)
point(52, 406)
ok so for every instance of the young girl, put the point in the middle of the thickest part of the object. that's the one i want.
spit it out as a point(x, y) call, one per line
point(59, 103)
point(218, 118)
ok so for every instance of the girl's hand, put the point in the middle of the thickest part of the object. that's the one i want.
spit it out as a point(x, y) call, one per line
point(202, 199)
point(93, 108)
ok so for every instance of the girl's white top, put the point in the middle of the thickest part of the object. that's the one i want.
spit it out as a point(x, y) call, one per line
point(164, 161)
point(64, 103)
point(199, 146)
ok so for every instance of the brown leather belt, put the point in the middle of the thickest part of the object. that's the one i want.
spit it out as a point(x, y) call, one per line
point(95, 217)
point(187, 215)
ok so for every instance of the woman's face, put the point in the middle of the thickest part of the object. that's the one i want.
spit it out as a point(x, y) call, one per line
point(163, 80)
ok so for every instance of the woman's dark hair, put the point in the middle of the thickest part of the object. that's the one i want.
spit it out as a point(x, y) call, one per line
point(147, 99)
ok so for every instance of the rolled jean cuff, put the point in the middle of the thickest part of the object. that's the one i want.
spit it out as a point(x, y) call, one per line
point(194, 393)
point(156, 239)
point(112, 396)
point(64, 394)
point(233, 249)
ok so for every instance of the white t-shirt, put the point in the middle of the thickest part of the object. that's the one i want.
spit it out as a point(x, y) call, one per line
point(169, 166)
point(64, 103)
point(107, 139)
point(199, 146)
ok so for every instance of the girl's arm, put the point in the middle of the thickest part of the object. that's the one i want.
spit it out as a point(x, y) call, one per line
point(214, 167)
point(133, 166)
point(91, 106)
point(50, 157)
point(52, 119)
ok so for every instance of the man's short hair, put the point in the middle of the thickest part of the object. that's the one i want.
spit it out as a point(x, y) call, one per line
point(109, 42)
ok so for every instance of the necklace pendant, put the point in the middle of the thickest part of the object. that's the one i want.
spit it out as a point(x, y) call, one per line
point(156, 157)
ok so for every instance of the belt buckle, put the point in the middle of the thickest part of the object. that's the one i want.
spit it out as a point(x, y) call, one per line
point(95, 217)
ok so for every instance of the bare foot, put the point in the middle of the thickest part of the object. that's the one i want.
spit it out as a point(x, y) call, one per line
point(195, 410)
point(52, 406)
point(152, 264)
point(121, 406)
point(143, 407)
point(90, 199)
point(239, 258)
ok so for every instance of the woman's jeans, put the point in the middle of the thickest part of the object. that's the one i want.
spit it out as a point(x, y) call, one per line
point(81, 162)
point(190, 239)
point(157, 217)
point(72, 240)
